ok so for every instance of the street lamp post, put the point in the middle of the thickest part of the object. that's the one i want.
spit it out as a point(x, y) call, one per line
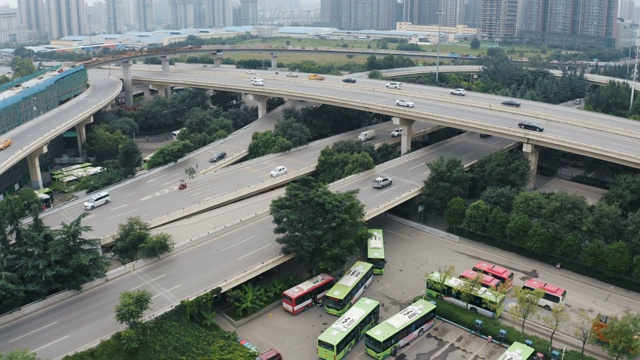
point(439, 12)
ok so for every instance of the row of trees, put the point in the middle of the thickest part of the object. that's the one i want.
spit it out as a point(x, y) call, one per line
point(133, 240)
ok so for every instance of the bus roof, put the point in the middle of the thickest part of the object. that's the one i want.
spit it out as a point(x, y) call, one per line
point(375, 245)
point(549, 288)
point(346, 322)
point(390, 326)
point(487, 280)
point(308, 285)
point(517, 351)
point(456, 283)
point(493, 269)
point(346, 283)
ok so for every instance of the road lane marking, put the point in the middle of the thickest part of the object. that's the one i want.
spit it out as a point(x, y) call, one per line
point(238, 243)
point(119, 207)
point(415, 167)
point(149, 281)
point(129, 194)
point(158, 294)
point(36, 330)
point(152, 180)
point(51, 343)
point(255, 251)
point(128, 212)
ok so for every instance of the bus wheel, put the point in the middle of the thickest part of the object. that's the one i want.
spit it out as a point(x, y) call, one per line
point(420, 332)
point(547, 307)
point(394, 351)
point(474, 310)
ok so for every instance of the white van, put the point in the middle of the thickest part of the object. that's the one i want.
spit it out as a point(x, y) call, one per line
point(367, 135)
point(96, 200)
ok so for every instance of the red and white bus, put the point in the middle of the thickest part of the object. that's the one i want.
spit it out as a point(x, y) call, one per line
point(504, 275)
point(303, 296)
point(486, 281)
point(553, 294)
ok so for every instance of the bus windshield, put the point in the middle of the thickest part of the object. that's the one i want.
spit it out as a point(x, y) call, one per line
point(375, 251)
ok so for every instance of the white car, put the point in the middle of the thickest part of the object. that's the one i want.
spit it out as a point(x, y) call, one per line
point(280, 170)
point(460, 92)
point(251, 71)
point(292, 74)
point(406, 103)
point(396, 132)
point(257, 82)
point(394, 85)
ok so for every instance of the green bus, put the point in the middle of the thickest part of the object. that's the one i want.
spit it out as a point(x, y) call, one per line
point(400, 329)
point(481, 300)
point(335, 342)
point(348, 289)
point(375, 251)
point(517, 351)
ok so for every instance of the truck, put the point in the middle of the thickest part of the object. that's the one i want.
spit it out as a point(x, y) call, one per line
point(367, 135)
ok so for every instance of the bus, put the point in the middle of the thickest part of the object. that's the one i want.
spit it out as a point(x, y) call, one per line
point(46, 198)
point(348, 289)
point(375, 251)
point(553, 295)
point(503, 274)
point(335, 342)
point(138, 96)
point(303, 296)
point(482, 300)
point(517, 351)
point(400, 329)
point(487, 281)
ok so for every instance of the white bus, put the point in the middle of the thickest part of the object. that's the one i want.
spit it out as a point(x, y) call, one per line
point(553, 295)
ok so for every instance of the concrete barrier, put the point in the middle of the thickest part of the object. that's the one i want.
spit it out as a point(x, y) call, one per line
point(427, 229)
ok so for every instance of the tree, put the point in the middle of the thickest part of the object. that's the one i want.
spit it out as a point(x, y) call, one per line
point(475, 44)
point(262, 143)
point(502, 169)
point(557, 317)
point(625, 192)
point(582, 328)
point(500, 197)
point(103, 143)
point(455, 212)
point(447, 179)
point(476, 217)
point(444, 272)
point(170, 152)
point(320, 228)
point(497, 225)
point(155, 246)
point(526, 305)
point(248, 300)
point(19, 354)
point(130, 236)
point(125, 125)
point(132, 306)
point(129, 158)
point(297, 134)
point(621, 334)
point(190, 172)
point(617, 260)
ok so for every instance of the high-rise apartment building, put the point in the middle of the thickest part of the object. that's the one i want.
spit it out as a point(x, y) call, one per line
point(473, 13)
point(626, 9)
point(96, 22)
point(31, 15)
point(248, 12)
point(143, 15)
point(218, 13)
point(65, 18)
point(367, 14)
point(186, 14)
point(115, 16)
point(452, 12)
point(499, 18)
point(330, 12)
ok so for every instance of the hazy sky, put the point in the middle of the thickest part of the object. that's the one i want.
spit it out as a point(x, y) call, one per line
point(14, 3)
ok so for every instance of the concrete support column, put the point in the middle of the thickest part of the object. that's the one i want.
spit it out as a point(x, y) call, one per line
point(533, 154)
point(406, 124)
point(81, 133)
point(165, 63)
point(126, 85)
point(34, 167)
point(217, 58)
point(163, 90)
point(262, 104)
point(274, 61)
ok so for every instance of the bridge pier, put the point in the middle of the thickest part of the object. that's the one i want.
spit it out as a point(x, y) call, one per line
point(274, 61)
point(163, 90)
point(217, 58)
point(34, 167)
point(262, 104)
point(533, 154)
point(406, 124)
point(81, 133)
point(126, 83)
point(164, 60)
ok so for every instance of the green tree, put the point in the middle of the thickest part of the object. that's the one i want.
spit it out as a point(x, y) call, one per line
point(125, 125)
point(129, 158)
point(529, 203)
point(297, 134)
point(625, 192)
point(476, 217)
point(103, 143)
point(564, 214)
point(617, 260)
point(132, 306)
point(248, 300)
point(475, 44)
point(502, 169)
point(155, 246)
point(344, 158)
point(582, 328)
point(444, 272)
point(190, 172)
point(526, 305)
point(500, 197)
point(498, 223)
point(263, 143)
point(538, 240)
point(22, 67)
point(19, 354)
point(447, 179)
point(170, 152)
point(605, 222)
point(323, 232)
point(622, 336)
point(130, 236)
point(557, 317)
point(592, 254)
point(455, 213)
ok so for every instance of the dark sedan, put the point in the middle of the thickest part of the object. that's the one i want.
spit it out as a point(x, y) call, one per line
point(512, 103)
point(218, 156)
point(349, 80)
point(529, 125)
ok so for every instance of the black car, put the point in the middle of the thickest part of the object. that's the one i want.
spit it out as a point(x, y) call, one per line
point(349, 80)
point(528, 125)
point(218, 156)
point(511, 103)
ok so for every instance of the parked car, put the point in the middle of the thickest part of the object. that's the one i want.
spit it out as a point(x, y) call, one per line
point(461, 92)
point(257, 82)
point(316, 77)
point(394, 85)
point(5, 144)
point(396, 132)
point(349, 80)
point(218, 156)
point(512, 103)
point(381, 182)
point(577, 101)
point(406, 103)
point(530, 125)
point(292, 74)
point(271, 354)
point(279, 170)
